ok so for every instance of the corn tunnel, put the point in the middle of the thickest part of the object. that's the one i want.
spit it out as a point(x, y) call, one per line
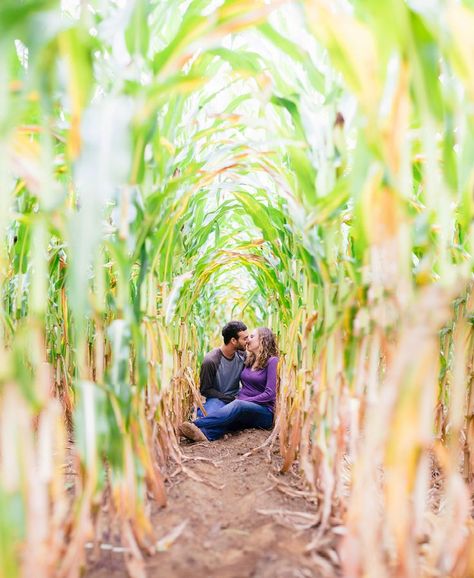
point(304, 165)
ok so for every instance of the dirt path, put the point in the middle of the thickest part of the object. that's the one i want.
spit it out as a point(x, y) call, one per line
point(243, 520)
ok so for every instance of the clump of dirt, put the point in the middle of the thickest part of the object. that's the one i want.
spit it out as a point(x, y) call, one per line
point(232, 516)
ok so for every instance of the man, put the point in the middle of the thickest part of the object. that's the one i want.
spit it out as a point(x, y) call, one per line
point(221, 367)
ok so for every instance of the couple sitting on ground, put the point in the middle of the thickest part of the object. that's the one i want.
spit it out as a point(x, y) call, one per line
point(249, 359)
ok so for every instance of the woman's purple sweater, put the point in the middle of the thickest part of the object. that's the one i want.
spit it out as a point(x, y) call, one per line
point(260, 386)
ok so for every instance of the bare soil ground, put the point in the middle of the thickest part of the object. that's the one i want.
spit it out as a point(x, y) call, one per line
point(243, 520)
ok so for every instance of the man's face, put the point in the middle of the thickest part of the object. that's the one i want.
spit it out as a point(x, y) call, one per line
point(241, 341)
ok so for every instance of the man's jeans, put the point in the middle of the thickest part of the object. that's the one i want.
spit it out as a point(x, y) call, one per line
point(211, 405)
point(234, 416)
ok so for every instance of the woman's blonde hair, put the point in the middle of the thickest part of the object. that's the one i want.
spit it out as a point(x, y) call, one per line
point(267, 348)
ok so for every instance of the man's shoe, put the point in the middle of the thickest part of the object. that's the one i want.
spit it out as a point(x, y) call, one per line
point(192, 432)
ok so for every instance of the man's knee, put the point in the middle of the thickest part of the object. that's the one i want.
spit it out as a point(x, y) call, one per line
point(211, 405)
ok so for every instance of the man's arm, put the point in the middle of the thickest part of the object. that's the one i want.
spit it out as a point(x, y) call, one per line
point(208, 381)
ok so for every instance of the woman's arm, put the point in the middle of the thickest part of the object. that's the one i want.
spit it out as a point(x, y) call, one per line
point(269, 393)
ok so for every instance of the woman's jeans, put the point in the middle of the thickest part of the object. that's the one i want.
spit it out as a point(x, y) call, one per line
point(234, 416)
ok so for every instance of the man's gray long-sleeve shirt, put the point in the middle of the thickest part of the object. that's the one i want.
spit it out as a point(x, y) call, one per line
point(220, 376)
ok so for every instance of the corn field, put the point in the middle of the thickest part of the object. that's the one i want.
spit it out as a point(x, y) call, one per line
point(168, 165)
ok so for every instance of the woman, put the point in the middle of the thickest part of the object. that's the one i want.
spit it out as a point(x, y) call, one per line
point(255, 402)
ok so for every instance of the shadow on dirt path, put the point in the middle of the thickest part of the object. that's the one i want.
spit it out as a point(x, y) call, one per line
point(243, 520)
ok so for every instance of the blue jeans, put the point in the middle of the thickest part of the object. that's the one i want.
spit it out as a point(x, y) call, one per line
point(234, 416)
point(211, 405)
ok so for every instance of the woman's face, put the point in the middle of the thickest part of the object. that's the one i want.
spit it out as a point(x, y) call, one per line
point(253, 341)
